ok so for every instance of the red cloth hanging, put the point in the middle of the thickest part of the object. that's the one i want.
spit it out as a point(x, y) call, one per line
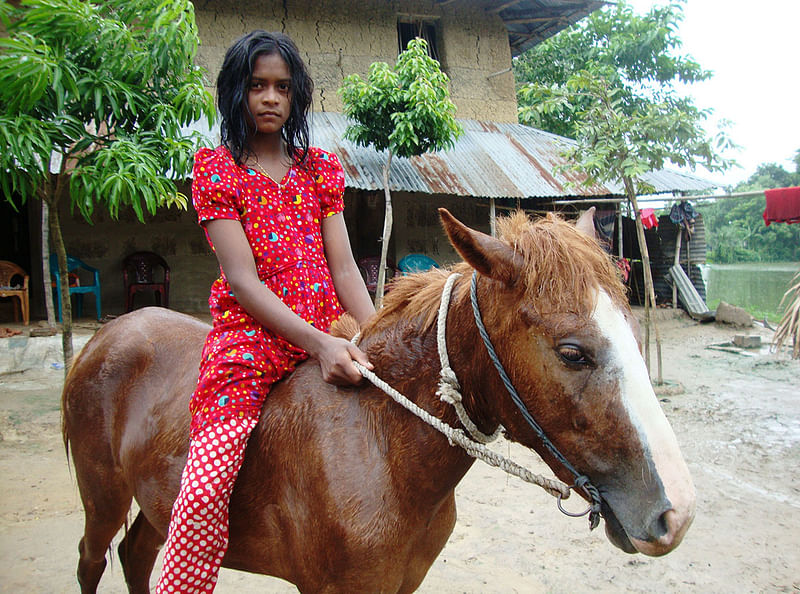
point(649, 218)
point(783, 205)
point(625, 267)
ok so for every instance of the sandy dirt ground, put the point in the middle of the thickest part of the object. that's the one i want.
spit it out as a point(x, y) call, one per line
point(737, 420)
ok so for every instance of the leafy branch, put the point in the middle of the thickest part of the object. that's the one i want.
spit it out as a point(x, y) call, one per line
point(404, 110)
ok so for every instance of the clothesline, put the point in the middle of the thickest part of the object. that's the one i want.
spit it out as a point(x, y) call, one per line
point(665, 198)
point(783, 204)
point(749, 194)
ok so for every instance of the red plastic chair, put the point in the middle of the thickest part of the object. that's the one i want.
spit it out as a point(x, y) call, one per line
point(145, 271)
point(369, 270)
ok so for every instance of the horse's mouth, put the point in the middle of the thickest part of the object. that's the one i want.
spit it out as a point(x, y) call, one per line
point(614, 530)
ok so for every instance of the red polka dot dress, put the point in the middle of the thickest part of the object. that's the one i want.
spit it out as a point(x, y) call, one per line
point(282, 222)
point(242, 359)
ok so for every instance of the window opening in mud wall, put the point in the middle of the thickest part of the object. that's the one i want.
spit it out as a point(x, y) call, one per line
point(409, 28)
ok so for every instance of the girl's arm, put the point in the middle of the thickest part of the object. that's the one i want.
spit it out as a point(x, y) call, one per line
point(347, 279)
point(235, 257)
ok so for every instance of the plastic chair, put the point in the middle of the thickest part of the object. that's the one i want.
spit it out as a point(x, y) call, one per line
point(19, 289)
point(75, 266)
point(416, 263)
point(140, 272)
point(369, 270)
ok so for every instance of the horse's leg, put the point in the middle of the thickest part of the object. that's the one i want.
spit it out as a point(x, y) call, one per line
point(427, 549)
point(106, 501)
point(138, 552)
point(96, 539)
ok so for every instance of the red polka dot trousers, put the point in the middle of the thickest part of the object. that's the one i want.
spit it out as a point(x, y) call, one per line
point(198, 528)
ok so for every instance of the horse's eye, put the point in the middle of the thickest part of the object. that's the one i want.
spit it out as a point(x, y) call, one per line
point(572, 355)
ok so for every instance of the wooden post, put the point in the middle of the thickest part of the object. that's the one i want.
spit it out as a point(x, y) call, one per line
point(492, 218)
point(46, 273)
point(689, 256)
point(676, 261)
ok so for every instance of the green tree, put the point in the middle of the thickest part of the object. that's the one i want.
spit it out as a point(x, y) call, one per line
point(615, 144)
point(611, 83)
point(735, 229)
point(404, 110)
point(636, 53)
point(92, 100)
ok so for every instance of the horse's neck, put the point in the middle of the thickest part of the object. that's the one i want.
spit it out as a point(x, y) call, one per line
point(406, 357)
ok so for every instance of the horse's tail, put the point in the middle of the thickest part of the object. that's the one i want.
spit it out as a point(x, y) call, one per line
point(64, 391)
point(64, 426)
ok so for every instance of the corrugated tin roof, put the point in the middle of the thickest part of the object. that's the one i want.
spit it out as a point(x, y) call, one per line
point(490, 160)
point(529, 22)
point(670, 180)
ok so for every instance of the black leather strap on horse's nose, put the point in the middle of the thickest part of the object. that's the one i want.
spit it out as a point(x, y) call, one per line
point(581, 481)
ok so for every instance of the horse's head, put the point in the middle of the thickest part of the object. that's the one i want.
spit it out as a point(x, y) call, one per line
point(557, 313)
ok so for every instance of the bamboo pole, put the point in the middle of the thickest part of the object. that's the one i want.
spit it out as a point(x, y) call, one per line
point(387, 233)
point(589, 200)
point(749, 194)
point(650, 294)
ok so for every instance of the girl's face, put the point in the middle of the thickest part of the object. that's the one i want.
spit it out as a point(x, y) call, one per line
point(270, 94)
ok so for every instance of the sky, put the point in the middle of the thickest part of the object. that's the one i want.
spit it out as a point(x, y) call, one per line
point(753, 51)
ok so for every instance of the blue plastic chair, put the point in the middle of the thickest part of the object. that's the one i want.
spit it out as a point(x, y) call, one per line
point(74, 265)
point(416, 263)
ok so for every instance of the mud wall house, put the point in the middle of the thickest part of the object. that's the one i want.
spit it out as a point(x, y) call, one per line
point(496, 162)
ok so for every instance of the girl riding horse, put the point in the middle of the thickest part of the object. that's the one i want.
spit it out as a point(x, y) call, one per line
point(271, 207)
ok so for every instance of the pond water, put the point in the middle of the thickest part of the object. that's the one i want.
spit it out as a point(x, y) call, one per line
point(758, 287)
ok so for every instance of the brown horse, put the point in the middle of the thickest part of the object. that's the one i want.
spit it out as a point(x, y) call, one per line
point(343, 490)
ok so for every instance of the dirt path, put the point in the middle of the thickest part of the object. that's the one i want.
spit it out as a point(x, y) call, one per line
point(738, 423)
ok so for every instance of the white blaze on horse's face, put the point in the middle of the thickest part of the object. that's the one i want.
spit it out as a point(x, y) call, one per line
point(655, 434)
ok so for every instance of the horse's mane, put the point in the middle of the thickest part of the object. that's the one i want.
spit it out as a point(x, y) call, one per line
point(563, 266)
point(562, 270)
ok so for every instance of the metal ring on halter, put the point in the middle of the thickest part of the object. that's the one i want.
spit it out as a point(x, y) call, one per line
point(594, 509)
point(569, 513)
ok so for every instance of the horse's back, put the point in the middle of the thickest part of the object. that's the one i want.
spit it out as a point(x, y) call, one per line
point(151, 350)
point(125, 400)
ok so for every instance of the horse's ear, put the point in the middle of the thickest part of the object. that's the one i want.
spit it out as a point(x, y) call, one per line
point(489, 256)
point(585, 223)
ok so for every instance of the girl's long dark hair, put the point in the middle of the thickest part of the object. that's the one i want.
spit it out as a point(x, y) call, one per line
point(233, 83)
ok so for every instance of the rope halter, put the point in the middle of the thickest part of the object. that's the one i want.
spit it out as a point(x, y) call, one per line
point(581, 481)
point(449, 389)
point(449, 392)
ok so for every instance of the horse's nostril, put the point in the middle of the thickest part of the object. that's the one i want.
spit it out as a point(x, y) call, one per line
point(660, 526)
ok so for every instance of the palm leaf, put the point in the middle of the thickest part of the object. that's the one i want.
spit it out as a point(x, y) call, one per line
point(790, 322)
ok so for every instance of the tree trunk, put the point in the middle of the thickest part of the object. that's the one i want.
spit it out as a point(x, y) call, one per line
point(650, 294)
point(387, 233)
